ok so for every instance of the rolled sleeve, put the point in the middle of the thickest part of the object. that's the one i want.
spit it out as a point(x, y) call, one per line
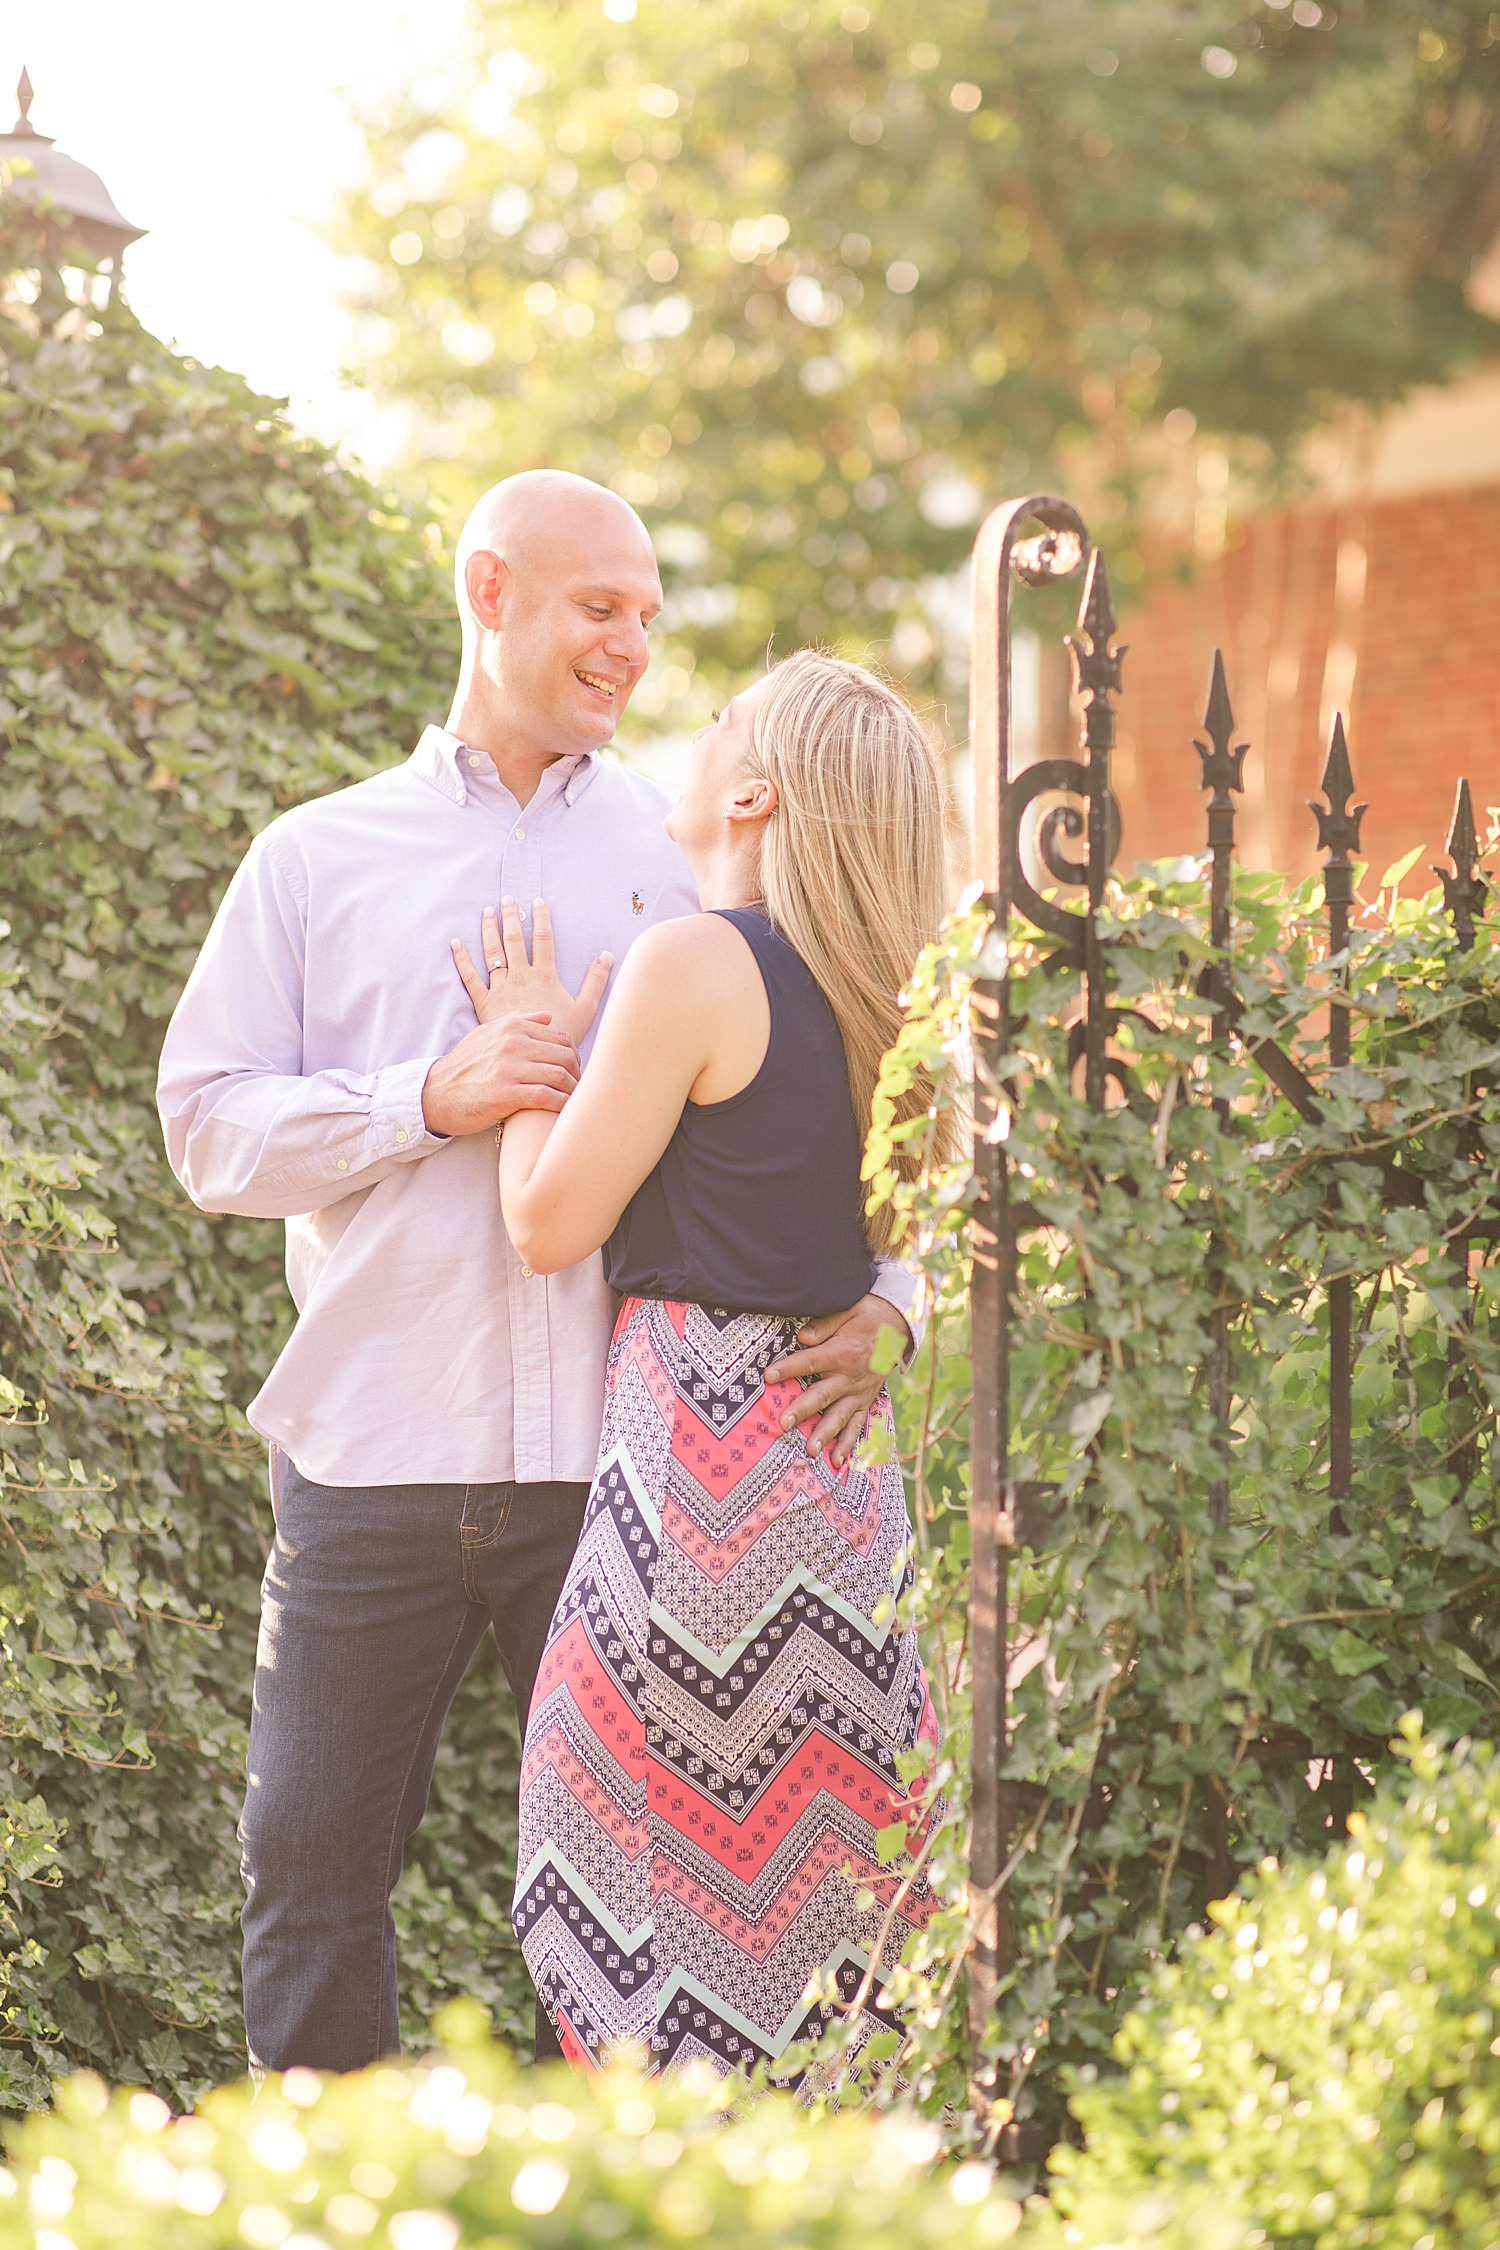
point(905, 1287)
point(331, 1133)
point(397, 1124)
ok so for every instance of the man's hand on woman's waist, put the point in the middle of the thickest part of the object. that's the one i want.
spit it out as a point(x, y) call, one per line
point(834, 1358)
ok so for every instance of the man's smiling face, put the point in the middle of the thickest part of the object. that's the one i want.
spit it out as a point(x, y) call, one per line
point(571, 642)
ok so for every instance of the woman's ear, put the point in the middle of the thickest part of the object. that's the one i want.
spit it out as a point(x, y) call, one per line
point(753, 798)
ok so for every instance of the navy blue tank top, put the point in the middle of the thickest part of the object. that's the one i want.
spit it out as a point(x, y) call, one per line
point(756, 1203)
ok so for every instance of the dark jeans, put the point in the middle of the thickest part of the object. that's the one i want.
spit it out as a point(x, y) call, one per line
point(374, 1600)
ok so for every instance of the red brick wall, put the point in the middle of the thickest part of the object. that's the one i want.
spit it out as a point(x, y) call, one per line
point(1423, 634)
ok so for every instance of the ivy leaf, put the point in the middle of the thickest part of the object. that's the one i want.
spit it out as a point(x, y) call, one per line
point(1433, 1494)
point(889, 1351)
point(1349, 1655)
point(890, 1843)
point(1471, 1670)
point(1400, 868)
point(334, 626)
point(1088, 1417)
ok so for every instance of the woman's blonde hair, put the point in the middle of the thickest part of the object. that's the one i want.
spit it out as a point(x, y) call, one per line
point(854, 860)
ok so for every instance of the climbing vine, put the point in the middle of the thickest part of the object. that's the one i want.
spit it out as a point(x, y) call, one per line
point(1181, 1673)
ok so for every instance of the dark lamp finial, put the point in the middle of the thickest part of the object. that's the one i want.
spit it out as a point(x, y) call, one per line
point(73, 203)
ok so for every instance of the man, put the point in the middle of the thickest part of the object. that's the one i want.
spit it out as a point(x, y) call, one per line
point(433, 1421)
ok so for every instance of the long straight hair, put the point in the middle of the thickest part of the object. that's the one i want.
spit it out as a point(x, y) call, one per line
point(854, 860)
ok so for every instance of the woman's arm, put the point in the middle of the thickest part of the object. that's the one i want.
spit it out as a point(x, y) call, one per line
point(689, 1016)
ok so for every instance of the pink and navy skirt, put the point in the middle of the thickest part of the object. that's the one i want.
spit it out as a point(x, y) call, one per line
point(712, 1744)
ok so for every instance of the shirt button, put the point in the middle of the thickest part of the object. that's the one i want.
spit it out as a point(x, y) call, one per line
point(343, 1163)
point(474, 762)
point(400, 1134)
point(527, 1274)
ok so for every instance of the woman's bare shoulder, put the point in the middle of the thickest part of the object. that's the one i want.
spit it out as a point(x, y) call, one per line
point(693, 946)
point(689, 994)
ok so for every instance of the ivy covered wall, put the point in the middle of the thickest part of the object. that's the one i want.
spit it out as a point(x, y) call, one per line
point(203, 620)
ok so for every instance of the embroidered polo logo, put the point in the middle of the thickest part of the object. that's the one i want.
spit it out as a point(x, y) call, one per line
point(637, 903)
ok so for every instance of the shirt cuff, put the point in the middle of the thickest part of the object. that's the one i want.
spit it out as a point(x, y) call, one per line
point(397, 1126)
point(905, 1287)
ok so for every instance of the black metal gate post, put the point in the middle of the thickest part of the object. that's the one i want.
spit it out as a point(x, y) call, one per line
point(1055, 552)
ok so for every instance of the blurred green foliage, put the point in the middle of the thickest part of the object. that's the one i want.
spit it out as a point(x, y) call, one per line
point(1321, 2071)
point(203, 619)
point(810, 284)
point(464, 2148)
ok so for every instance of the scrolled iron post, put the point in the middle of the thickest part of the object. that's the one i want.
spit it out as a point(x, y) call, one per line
point(1055, 552)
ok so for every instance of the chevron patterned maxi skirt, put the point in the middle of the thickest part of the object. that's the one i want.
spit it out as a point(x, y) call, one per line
point(712, 1742)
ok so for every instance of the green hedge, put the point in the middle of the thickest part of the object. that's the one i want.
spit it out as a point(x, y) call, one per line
point(1324, 2069)
point(467, 2149)
point(203, 620)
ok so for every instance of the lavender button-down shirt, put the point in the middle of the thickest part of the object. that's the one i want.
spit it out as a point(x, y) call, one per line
point(291, 1083)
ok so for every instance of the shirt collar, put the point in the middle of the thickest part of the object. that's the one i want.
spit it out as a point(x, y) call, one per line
point(439, 759)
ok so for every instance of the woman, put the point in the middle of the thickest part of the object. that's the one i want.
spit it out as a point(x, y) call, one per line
point(714, 1739)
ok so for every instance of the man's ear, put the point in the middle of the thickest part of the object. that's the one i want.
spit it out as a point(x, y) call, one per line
point(754, 798)
point(487, 581)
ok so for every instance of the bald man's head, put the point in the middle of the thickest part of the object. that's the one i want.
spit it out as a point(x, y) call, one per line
point(536, 517)
point(556, 583)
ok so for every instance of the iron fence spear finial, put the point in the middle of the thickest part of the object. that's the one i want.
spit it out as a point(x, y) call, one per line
point(1222, 762)
point(1465, 890)
point(1223, 766)
point(1097, 669)
point(1338, 831)
point(1098, 665)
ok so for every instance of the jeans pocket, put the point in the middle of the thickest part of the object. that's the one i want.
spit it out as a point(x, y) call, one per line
point(487, 1509)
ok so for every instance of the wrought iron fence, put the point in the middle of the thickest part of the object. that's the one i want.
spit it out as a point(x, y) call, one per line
point(1038, 541)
